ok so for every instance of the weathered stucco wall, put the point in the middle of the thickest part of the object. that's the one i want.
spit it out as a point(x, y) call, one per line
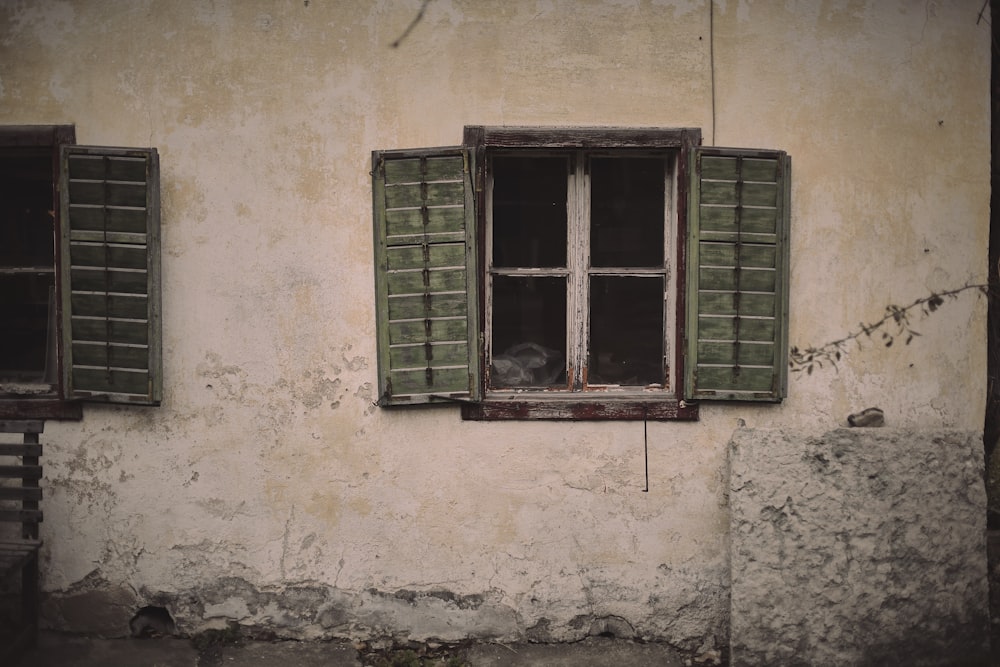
point(861, 546)
point(267, 489)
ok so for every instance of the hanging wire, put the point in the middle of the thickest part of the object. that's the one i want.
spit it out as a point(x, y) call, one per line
point(711, 58)
point(645, 444)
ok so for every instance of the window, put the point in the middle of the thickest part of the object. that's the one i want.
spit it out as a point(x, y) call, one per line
point(579, 270)
point(27, 267)
point(79, 273)
point(581, 273)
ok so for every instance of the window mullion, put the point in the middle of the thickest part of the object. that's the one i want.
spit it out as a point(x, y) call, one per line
point(488, 273)
point(578, 259)
point(670, 258)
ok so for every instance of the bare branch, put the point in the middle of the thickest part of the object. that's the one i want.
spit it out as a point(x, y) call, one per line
point(831, 352)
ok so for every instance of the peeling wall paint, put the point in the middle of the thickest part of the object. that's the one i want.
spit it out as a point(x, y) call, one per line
point(268, 486)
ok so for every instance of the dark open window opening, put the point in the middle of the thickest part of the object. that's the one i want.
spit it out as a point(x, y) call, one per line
point(30, 308)
point(579, 277)
point(27, 269)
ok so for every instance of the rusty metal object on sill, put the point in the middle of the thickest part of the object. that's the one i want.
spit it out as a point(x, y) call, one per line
point(869, 417)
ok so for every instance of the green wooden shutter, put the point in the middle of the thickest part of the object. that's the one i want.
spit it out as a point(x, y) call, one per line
point(737, 275)
point(110, 274)
point(425, 276)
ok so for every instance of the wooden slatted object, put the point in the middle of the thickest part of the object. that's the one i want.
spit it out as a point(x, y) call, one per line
point(20, 494)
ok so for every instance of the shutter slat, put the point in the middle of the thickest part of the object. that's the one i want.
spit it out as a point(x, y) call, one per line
point(428, 306)
point(107, 193)
point(725, 303)
point(110, 280)
point(113, 381)
point(417, 383)
point(128, 306)
point(724, 254)
point(719, 220)
point(126, 257)
point(425, 275)
point(430, 354)
point(110, 167)
point(110, 269)
point(745, 353)
point(437, 255)
point(737, 276)
point(737, 378)
point(429, 170)
point(724, 328)
point(405, 226)
point(115, 356)
point(110, 331)
point(413, 195)
point(92, 218)
point(747, 279)
point(426, 282)
point(418, 331)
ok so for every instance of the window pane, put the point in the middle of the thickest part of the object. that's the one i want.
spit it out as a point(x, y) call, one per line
point(27, 265)
point(627, 219)
point(529, 332)
point(529, 211)
point(26, 215)
point(26, 335)
point(626, 330)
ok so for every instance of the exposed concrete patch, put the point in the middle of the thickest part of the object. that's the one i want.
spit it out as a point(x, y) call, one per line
point(435, 614)
point(860, 546)
point(92, 606)
point(311, 612)
point(321, 612)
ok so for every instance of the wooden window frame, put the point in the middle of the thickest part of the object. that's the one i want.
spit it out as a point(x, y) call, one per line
point(589, 405)
point(51, 405)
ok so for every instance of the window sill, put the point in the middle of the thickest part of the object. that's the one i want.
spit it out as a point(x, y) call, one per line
point(591, 408)
point(36, 407)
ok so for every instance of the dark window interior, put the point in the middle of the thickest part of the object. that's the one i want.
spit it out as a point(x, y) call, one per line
point(623, 256)
point(626, 212)
point(626, 330)
point(529, 211)
point(27, 265)
point(529, 331)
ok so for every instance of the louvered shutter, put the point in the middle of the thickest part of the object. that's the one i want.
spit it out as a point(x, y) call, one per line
point(110, 274)
point(737, 276)
point(425, 276)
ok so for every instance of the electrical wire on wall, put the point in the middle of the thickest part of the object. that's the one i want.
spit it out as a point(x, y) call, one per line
point(711, 59)
point(645, 444)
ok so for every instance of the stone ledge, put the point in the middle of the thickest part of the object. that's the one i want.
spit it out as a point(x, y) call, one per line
point(857, 546)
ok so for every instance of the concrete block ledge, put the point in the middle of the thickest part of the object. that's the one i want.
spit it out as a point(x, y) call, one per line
point(862, 546)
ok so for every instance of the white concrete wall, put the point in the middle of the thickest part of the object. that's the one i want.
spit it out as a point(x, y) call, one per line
point(267, 462)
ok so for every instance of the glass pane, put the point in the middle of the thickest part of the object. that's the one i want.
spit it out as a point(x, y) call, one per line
point(529, 332)
point(529, 211)
point(26, 209)
point(626, 330)
point(25, 336)
point(626, 211)
point(27, 264)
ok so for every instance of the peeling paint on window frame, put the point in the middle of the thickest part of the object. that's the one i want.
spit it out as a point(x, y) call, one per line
point(590, 405)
